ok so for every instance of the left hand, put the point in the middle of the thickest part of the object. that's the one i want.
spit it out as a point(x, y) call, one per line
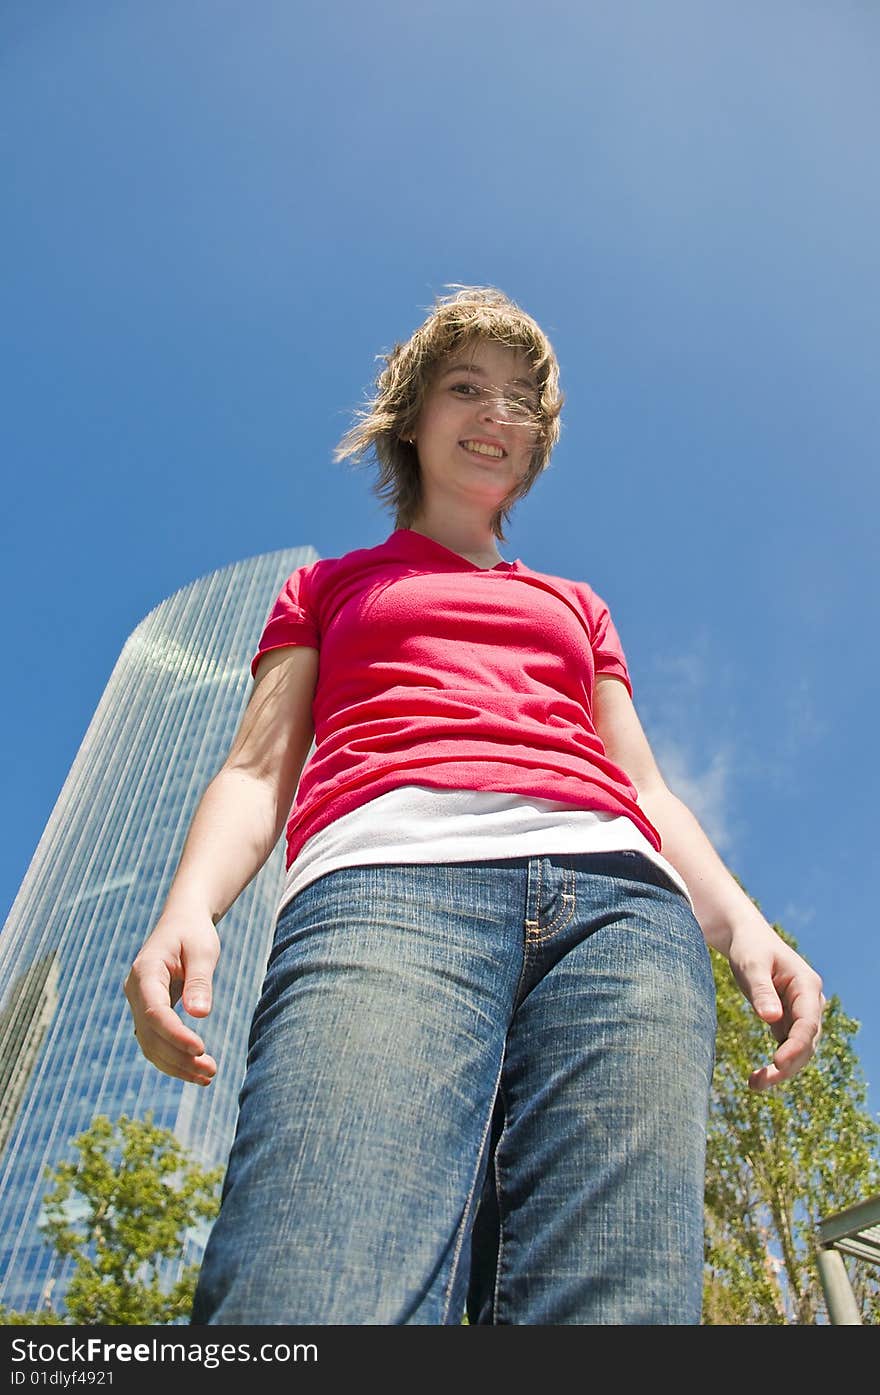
point(784, 991)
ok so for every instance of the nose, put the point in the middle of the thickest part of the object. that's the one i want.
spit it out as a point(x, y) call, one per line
point(495, 407)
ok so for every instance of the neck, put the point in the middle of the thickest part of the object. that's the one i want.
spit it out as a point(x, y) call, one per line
point(470, 537)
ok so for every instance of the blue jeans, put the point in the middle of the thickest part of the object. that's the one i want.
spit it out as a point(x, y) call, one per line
point(475, 1084)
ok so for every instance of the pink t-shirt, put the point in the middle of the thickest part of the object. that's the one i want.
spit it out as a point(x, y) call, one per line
point(433, 671)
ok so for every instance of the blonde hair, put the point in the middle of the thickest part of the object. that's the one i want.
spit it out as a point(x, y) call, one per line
point(466, 314)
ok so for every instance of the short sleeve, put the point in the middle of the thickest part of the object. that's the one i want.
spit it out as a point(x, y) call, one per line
point(608, 655)
point(291, 620)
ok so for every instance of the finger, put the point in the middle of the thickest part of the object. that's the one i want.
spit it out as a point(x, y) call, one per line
point(197, 993)
point(148, 989)
point(199, 1069)
point(773, 1074)
point(201, 1072)
point(159, 1023)
point(764, 1078)
point(793, 1053)
point(766, 1002)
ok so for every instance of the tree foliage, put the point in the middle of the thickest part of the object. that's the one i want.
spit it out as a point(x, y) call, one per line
point(122, 1211)
point(778, 1162)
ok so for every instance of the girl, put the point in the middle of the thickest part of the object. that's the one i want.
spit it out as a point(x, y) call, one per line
point(479, 1069)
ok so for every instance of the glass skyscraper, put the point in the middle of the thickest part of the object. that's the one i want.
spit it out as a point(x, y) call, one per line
point(93, 891)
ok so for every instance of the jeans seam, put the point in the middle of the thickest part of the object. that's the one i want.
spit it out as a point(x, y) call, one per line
point(537, 934)
point(532, 926)
point(466, 1214)
point(496, 1287)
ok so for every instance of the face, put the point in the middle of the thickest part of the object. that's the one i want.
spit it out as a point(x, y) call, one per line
point(475, 434)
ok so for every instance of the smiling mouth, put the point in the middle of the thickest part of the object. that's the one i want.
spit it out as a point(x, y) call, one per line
point(480, 448)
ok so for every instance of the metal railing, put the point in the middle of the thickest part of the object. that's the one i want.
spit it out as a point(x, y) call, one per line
point(855, 1231)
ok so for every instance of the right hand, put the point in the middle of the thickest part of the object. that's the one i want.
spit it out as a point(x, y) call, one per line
point(175, 964)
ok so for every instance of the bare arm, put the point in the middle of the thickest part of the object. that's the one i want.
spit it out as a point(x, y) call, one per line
point(236, 825)
point(781, 987)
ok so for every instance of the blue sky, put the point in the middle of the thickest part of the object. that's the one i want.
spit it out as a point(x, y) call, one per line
point(218, 214)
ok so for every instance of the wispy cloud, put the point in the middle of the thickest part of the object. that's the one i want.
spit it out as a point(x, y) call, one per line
point(705, 791)
point(796, 916)
point(696, 757)
point(802, 726)
point(708, 747)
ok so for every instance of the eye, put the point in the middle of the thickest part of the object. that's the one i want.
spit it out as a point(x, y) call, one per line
point(467, 389)
point(522, 408)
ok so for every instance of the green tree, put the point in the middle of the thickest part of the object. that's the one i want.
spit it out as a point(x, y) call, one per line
point(122, 1211)
point(779, 1161)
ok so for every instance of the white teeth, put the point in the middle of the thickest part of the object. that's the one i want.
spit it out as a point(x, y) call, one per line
point(479, 449)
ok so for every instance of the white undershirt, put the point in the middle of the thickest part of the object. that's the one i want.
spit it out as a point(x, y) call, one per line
point(417, 823)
